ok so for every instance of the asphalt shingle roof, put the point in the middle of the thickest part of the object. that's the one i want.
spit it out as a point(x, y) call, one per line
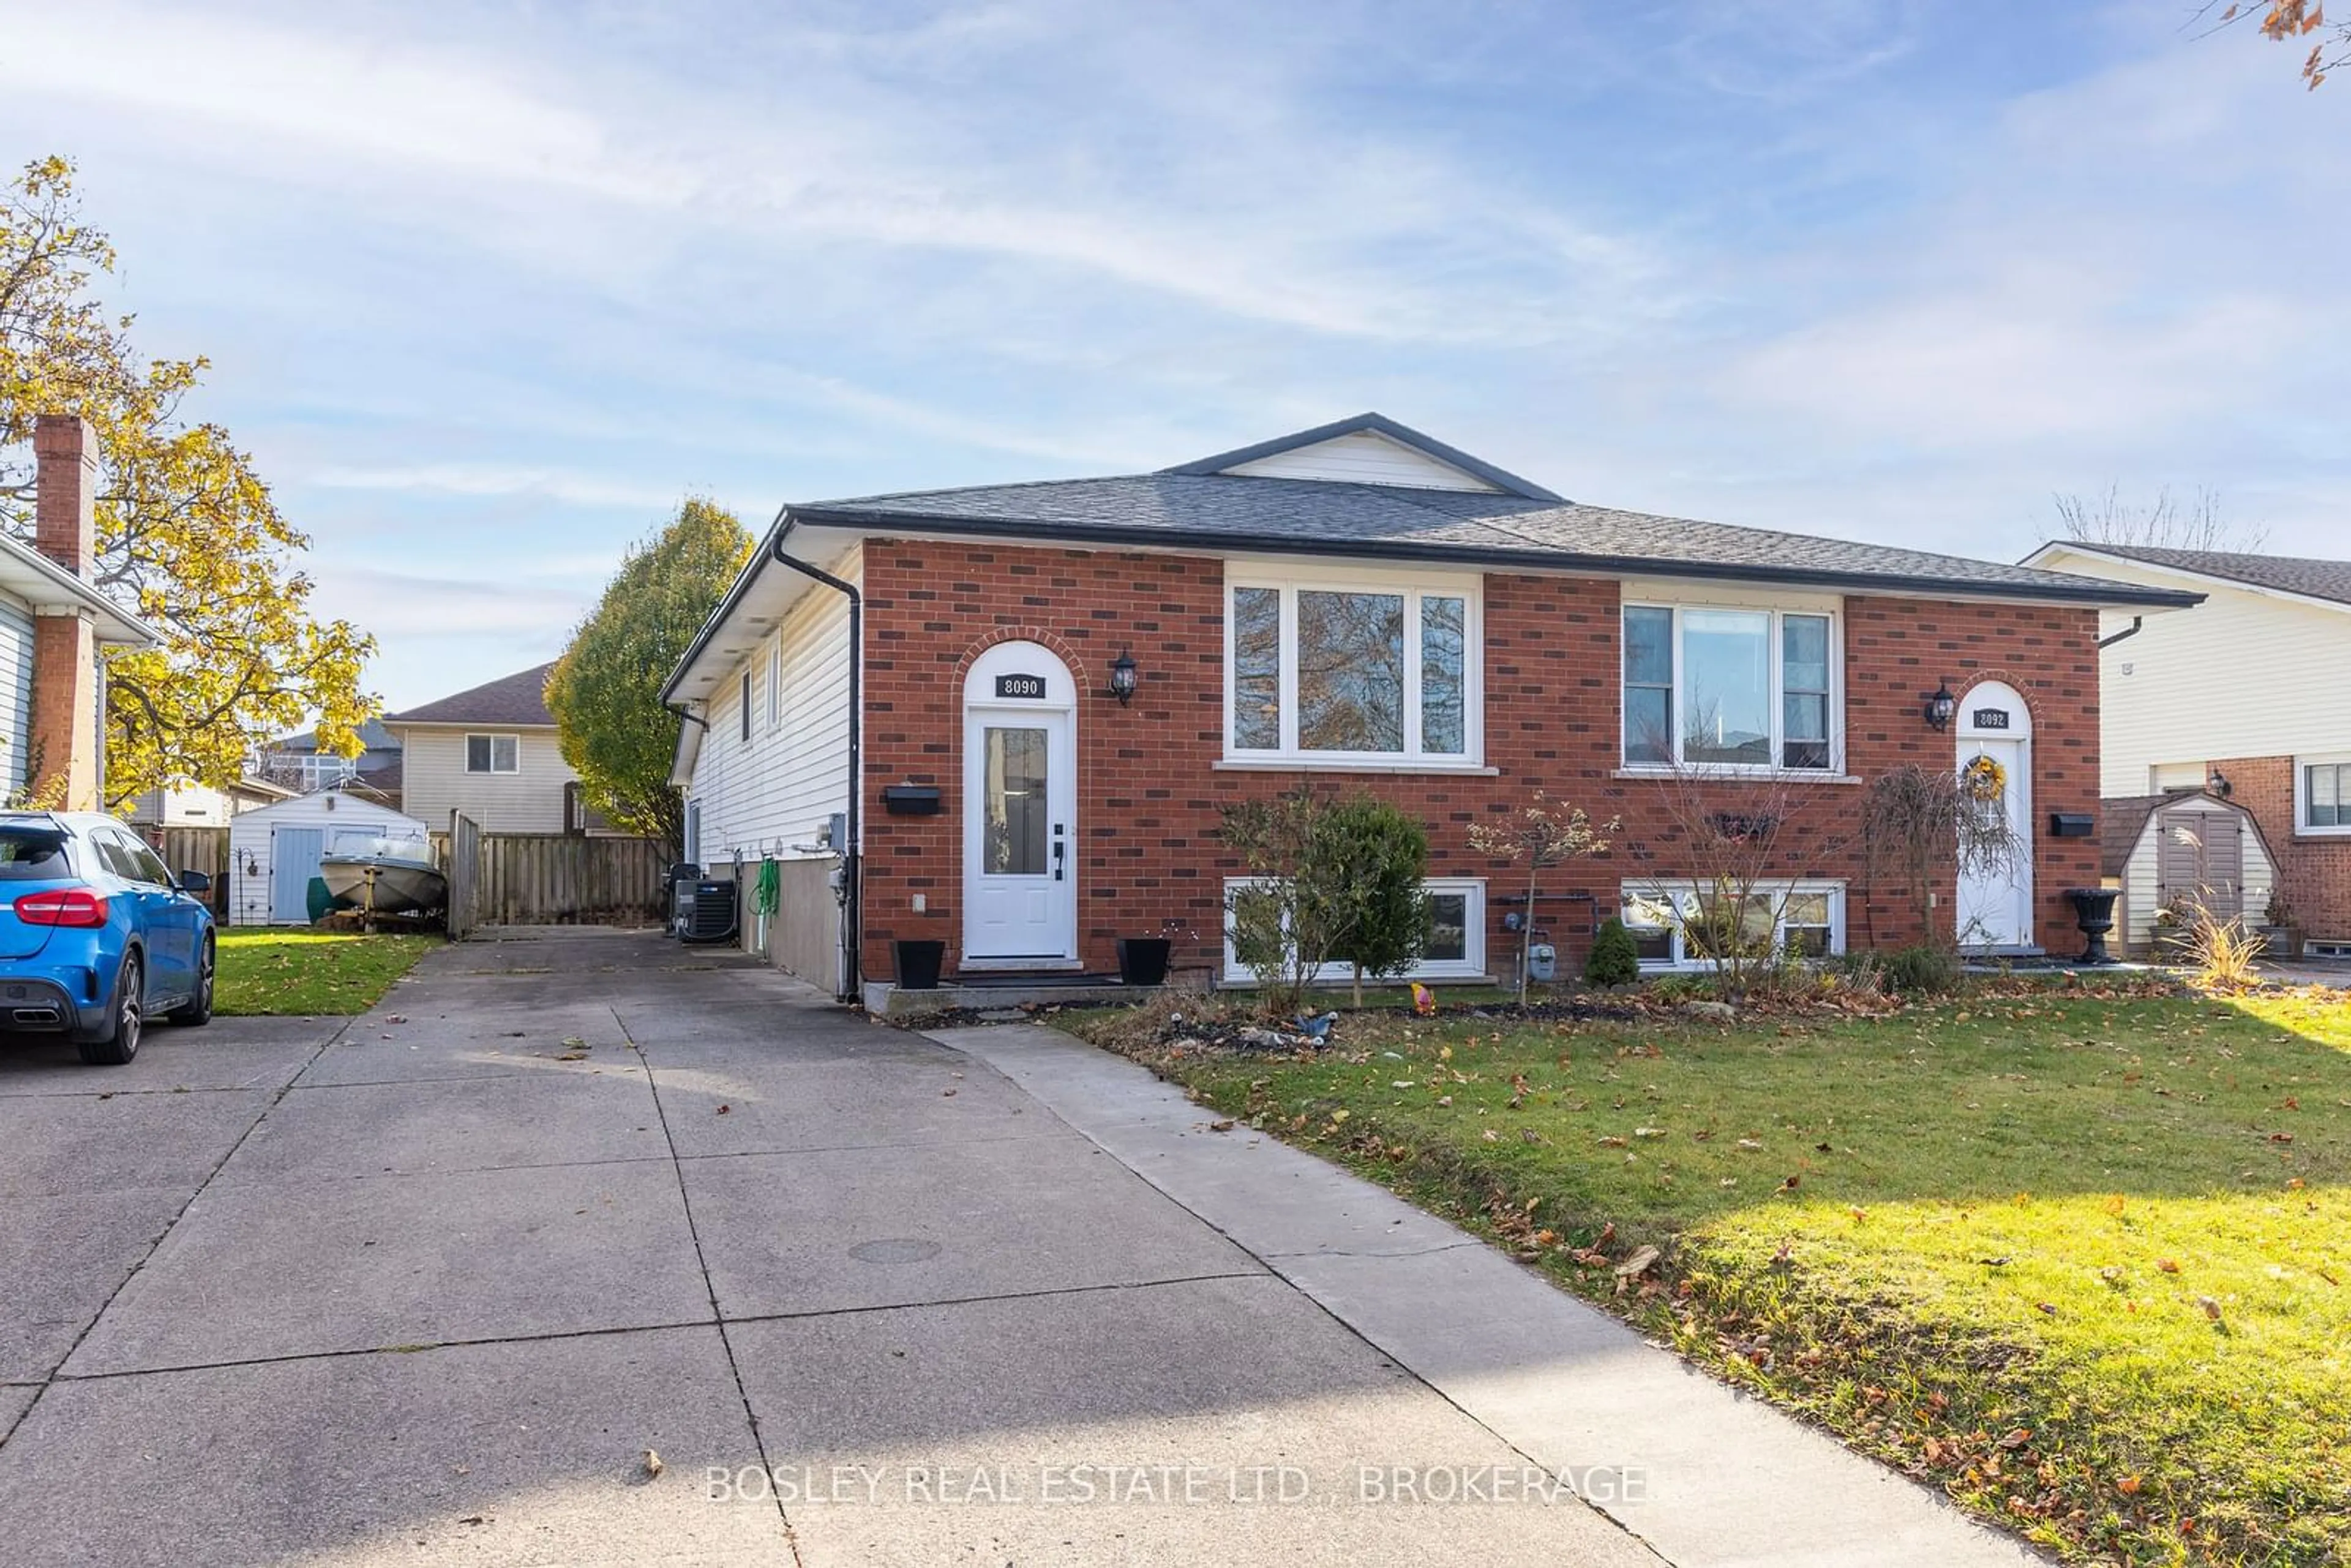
point(517, 699)
point(2288, 574)
point(1203, 511)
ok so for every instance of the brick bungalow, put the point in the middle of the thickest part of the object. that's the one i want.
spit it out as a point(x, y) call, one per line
point(1357, 606)
point(54, 622)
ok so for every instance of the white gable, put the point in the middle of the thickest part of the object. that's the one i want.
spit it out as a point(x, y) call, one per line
point(1364, 457)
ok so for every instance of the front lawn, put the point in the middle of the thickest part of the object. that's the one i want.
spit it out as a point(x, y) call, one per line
point(294, 971)
point(2084, 1264)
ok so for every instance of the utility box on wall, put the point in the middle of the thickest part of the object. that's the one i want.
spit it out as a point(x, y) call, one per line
point(2072, 824)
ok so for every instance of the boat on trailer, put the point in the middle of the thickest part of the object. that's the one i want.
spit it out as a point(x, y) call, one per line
point(386, 873)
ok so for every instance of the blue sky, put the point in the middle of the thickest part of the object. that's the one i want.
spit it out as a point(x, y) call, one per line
point(488, 288)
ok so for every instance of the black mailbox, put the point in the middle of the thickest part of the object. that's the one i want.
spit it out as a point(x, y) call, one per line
point(911, 799)
point(2072, 824)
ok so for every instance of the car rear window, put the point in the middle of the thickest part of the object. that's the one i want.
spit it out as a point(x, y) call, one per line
point(32, 854)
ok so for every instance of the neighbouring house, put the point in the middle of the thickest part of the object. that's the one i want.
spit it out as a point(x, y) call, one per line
point(190, 805)
point(297, 762)
point(1045, 692)
point(2164, 849)
point(54, 622)
point(490, 752)
point(274, 852)
point(2237, 699)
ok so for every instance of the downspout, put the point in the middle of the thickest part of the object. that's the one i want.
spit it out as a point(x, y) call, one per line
point(2129, 631)
point(853, 913)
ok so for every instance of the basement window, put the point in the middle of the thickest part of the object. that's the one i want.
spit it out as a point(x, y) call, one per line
point(1456, 948)
point(1679, 926)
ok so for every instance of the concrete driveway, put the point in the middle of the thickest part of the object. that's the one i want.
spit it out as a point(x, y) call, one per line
point(425, 1287)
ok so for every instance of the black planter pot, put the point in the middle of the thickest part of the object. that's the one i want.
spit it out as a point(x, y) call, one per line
point(2094, 911)
point(1143, 960)
point(918, 964)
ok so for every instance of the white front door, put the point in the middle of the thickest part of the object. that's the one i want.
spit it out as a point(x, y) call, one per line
point(1021, 888)
point(1995, 757)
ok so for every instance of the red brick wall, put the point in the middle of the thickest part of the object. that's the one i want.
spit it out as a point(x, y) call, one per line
point(1146, 859)
point(2314, 869)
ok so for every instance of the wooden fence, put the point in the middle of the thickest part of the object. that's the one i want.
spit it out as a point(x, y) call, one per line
point(463, 862)
point(552, 879)
point(196, 849)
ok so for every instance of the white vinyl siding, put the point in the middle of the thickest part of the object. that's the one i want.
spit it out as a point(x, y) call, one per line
point(16, 694)
point(2242, 675)
point(1364, 457)
point(771, 796)
point(436, 780)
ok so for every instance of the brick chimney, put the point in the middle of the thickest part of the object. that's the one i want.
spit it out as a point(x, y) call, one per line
point(62, 755)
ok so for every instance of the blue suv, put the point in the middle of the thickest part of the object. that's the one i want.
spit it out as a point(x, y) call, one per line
point(97, 935)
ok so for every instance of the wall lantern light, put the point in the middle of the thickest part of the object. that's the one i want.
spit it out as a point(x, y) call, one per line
point(1940, 705)
point(1122, 676)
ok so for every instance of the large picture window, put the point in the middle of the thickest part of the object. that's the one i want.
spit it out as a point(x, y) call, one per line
point(1744, 689)
point(1682, 926)
point(1456, 948)
point(1371, 670)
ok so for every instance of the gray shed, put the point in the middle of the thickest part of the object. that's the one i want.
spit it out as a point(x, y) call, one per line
point(2189, 842)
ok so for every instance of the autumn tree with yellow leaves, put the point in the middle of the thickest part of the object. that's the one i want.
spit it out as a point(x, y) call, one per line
point(187, 532)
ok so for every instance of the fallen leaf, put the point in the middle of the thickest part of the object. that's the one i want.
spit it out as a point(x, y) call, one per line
point(2128, 1486)
point(1637, 1264)
point(1224, 1126)
point(2211, 1308)
point(2169, 1265)
point(653, 1465)
point(724, 1109)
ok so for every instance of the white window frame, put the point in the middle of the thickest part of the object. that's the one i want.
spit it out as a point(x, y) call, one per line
point(1777, 609)
point(775, 686)
point(2303, 827)
point(1682, 962)
point(1413, 587)
point(1471, 966)
point(493, 736)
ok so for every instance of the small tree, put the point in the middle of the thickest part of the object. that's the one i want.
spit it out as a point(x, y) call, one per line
point(1543, 836)
point(1282, 917)
point(1916, 822)
point(1374, 858)
point(1745, 838)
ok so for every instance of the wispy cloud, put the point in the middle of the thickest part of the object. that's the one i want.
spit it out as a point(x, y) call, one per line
point(460, 479)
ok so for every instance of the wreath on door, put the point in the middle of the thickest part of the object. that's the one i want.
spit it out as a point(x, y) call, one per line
point(1984, 780)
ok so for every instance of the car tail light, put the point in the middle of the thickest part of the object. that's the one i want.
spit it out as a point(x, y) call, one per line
point(62, 906)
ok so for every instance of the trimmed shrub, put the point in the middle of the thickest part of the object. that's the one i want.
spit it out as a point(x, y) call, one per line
point(1922, 971)
point(1615, 959)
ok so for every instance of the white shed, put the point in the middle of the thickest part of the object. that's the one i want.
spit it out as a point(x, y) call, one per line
point(2187, 843)
point(274, 853)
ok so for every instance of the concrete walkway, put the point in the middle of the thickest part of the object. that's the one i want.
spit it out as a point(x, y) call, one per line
point(1701, 1473)
point(425, 1287)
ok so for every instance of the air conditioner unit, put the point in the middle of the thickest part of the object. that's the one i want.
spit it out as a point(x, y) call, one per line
point(710, 912)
